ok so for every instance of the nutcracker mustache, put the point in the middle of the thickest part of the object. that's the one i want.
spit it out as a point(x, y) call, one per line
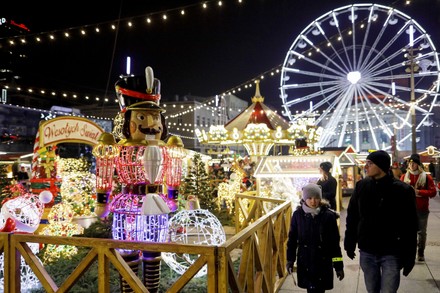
point(150, 130)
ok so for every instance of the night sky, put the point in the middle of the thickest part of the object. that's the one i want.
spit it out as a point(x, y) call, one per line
point(203, 53)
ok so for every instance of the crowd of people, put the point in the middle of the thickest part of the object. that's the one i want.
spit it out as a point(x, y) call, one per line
point(386, 224)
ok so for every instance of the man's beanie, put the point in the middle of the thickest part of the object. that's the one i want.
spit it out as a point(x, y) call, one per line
point(415, 158)
point(381, 159)
point(326, 166)
point(312, 190)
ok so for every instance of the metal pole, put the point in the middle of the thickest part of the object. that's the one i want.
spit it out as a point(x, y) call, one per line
point(413, 99)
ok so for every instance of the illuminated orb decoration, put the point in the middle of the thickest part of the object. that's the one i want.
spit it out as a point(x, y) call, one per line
point(28, 280)
point(26, 211)
point(198, 227)
point(60, 224)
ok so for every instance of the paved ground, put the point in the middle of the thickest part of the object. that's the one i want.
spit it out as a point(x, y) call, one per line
point(425, 276)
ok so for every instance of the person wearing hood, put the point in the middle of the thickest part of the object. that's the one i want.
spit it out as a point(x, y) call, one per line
point(314, 242)
point(382, 222)
point(328, 183)
point(424, 187)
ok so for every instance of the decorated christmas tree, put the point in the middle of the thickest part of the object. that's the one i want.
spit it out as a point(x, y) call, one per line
point(78, 185)
point(197, 183)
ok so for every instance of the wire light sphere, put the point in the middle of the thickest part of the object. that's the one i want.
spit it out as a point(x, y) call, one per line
point(28, 280)
point(199, 227)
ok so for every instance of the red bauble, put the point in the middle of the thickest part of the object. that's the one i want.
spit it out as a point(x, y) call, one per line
point(9, 225)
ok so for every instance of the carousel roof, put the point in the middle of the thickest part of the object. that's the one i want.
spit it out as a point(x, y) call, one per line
point(257, 113)
point(258, 128)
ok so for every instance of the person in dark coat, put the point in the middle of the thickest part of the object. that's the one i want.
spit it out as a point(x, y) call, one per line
point(328, 183)
point(382, 221)
point(314, 242)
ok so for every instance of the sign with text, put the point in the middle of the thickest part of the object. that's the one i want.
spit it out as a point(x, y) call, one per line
point(69, 129)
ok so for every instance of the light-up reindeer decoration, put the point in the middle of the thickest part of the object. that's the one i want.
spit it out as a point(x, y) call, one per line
point(141, 160)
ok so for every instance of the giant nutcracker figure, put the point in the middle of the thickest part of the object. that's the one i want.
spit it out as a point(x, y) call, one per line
point(140, 158)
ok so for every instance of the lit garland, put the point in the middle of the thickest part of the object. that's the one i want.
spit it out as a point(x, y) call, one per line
point(218, 133)
point(256, 132)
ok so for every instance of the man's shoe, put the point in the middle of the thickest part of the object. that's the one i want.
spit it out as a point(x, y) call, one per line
point(421, 258)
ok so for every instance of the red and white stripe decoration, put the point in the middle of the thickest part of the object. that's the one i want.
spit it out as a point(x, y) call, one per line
point(35, 156)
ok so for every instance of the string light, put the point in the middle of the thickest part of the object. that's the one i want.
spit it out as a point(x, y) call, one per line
point(164, 14)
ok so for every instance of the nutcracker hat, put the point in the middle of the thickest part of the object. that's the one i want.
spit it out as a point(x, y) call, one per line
point(135, 89)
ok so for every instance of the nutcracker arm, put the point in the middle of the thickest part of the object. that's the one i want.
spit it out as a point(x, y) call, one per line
point(105, 152)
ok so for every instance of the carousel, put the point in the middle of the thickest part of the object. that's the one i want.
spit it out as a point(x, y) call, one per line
point(259, 128)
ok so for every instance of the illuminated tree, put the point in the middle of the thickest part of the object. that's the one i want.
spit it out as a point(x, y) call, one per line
point(197, 183)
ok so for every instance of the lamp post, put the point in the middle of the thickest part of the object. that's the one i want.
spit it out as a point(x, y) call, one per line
point(411, 70)
point(413, 102)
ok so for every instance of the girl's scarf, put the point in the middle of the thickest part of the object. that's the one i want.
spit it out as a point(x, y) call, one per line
point(309, 210)
point(421, 181)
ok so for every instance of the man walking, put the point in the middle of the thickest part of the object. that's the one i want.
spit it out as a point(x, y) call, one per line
point(382, 222)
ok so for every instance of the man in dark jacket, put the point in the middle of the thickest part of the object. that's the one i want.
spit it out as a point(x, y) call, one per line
point(382, 222)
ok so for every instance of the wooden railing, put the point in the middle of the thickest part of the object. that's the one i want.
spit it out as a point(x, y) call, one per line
point(261, 266)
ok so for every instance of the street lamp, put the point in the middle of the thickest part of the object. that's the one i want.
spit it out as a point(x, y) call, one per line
point(413, 104)
point(412, 68)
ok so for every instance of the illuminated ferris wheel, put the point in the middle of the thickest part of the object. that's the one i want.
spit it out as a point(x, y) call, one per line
point(357, 71)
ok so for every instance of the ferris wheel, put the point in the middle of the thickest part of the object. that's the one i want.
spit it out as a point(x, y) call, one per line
point(363, 73)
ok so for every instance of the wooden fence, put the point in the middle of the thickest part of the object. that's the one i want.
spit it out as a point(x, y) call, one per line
point(261, 237)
